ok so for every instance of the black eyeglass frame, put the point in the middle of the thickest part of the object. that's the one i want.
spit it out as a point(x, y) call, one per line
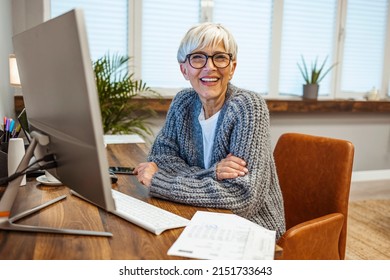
point(207, 58)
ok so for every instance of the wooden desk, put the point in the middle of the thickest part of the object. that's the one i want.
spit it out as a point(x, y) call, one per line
point(128, 241)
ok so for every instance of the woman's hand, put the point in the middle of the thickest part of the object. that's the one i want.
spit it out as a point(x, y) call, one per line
point(231, 167)
point(145, 172)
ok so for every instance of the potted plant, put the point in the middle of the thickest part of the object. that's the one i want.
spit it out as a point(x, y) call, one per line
point(118, 90)
point(314, 77)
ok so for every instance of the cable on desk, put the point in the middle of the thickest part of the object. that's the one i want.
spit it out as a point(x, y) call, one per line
point(50, 164)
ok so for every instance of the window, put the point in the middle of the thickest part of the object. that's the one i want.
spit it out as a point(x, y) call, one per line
point(106, 21)
point(272, 35)
point(308, 30)
point(364, 46)
point(253, 35)
point(163, 26)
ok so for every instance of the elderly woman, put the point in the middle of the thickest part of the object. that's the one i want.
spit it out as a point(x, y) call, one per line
point(214, 149)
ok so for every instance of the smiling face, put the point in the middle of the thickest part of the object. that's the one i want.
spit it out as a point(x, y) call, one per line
point(209, 82)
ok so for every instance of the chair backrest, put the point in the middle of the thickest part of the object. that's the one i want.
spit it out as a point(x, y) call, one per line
point(315, 175)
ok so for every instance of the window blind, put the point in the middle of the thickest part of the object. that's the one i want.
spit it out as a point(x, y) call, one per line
point(364, 45)
point(308, 29)
point(164, 24)
point(106, 21)
point(250, 23)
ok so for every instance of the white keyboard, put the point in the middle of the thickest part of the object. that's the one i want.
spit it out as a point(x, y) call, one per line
point(145, 215)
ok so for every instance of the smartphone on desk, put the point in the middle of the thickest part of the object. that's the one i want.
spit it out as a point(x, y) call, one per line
point(121, 170)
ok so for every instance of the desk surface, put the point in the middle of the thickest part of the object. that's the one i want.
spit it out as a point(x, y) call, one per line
point(128, 242)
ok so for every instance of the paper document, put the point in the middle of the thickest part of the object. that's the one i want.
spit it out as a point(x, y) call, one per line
point(224, 236)
point(123, 139)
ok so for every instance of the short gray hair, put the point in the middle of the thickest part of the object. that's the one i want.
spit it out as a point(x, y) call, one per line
point(204, 35)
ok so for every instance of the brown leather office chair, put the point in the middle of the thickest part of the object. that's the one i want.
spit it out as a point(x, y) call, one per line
point(315, 176)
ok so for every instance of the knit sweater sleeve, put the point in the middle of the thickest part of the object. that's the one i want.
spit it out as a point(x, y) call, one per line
point(172, 149)
point(244, 132)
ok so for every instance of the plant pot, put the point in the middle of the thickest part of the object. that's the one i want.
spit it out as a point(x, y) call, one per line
point(310, 91)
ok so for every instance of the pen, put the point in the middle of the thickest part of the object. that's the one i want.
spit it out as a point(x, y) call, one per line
point(12, 124)
point(11, 128)
point(4, 123)
point(17, 131)
point(6, 130)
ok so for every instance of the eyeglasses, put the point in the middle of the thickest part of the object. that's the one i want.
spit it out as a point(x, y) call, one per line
point(199, 60)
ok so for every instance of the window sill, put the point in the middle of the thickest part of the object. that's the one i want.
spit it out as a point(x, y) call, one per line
point(279, 105)
point(327, 106)
point(303, 106)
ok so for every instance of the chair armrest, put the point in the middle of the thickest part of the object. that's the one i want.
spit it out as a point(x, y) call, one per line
point(314, 239)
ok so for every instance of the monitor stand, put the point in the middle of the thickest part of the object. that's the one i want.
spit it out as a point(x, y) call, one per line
point(9, 196)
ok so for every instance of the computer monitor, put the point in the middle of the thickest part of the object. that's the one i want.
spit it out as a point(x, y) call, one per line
point(62, 103)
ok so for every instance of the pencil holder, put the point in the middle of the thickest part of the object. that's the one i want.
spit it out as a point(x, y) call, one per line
point(4, 147)
point(3, 164)
point(16, 153)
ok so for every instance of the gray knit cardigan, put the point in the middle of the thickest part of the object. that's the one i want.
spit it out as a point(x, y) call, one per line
point(243, 130)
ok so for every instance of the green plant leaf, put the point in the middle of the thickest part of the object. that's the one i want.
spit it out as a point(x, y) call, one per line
point(117, 89)
point(317, 73)
point(304, 71)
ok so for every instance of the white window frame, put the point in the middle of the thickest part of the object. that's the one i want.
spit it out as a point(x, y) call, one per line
point(135, 36)
point(386, 66)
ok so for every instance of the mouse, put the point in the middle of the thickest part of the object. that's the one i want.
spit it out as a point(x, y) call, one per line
point(113, 178)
